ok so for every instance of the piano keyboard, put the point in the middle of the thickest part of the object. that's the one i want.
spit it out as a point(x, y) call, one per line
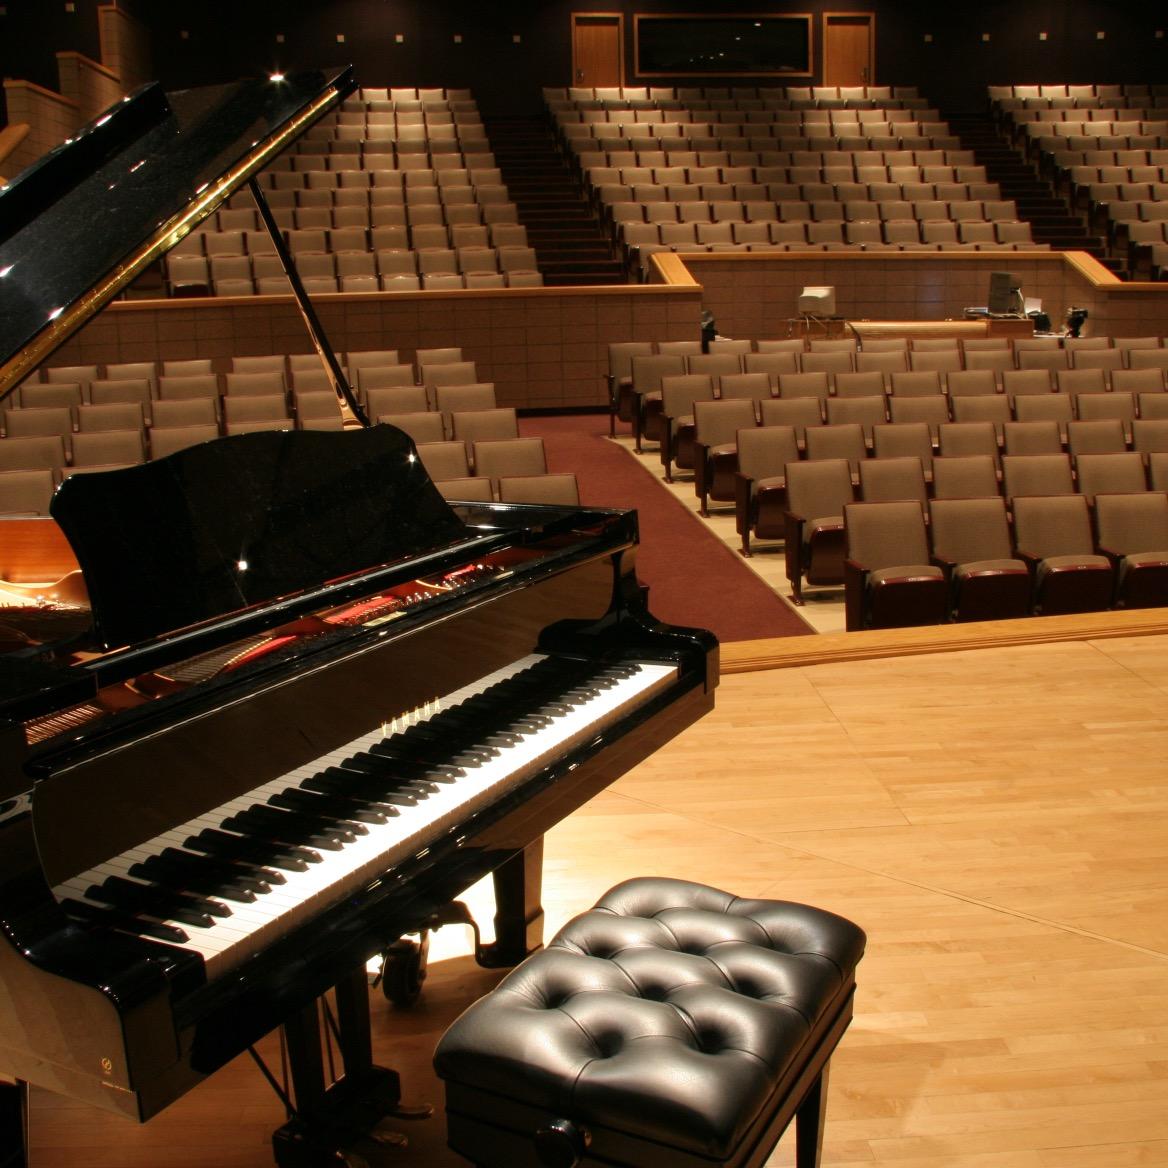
point(229, 883)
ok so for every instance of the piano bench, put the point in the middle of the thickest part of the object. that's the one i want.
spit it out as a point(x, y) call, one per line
point(672, 1024)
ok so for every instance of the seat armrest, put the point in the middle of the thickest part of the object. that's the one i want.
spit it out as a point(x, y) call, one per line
point(743, 511)
point(1030, 560)
point(855, 583)
point(945, 565)
point(1114, 558)
point(793, 551)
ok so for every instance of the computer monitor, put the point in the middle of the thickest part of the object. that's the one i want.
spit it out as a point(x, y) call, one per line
point(817, 301)
point(1005, 295)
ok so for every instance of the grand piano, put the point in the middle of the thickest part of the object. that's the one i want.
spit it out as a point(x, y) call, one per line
point(307, 703)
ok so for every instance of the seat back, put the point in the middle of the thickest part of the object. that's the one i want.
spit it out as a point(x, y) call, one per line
point(444, 460)
point(840, 441)
point(799, 412)
point(966, 530)
point(26, 492)
point(887, 479)
point(816, 490)
point(1036, 474)
point(752, 386)
point(108, 448)
point(1052, 525)
point(541, 488)
point(1099, 436)
point(1109, 474)
point(1129, 524)
point(718, 422)
point(679, 392)
point(885, 535)
point(1032, 438)
point(423, 426)
point(484, 425)
point(510, 457)
point(764, 451)
point(968, 476)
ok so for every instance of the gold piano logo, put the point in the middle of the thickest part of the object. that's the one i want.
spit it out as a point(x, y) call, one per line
point(107, 1066)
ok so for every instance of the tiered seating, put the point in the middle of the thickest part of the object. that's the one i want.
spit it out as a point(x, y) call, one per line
point(1106, 147)
point(787, 169)
point(396, 193)
point(935, 400)
point(87, 418)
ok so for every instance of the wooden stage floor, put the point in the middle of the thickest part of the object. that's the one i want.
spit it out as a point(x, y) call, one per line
point(995, 818)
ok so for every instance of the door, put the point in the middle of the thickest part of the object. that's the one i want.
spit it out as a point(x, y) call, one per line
point(597, 49)
point(849, 48)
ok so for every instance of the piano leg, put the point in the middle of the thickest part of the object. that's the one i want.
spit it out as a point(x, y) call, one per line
point(13, 1125)
point(332, 1117)
point(518, 908)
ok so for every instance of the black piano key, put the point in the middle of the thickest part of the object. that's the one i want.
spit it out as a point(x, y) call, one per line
point(127, 922)
point(141, 898)
point(347, 807)
point(389, 763)
point(412, 789)
point(287, 827)
point(253, 877)
point(170, 874)
point(342, 780)
point(231, 846)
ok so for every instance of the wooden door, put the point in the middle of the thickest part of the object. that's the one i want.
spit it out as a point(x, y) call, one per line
point(849, 48)
point(597, 48)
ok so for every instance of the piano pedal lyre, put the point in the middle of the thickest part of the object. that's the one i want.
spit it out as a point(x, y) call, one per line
point(329, 1120)
point(403, 961)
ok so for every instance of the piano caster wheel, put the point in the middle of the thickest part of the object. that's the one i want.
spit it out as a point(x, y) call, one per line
point(403, 970)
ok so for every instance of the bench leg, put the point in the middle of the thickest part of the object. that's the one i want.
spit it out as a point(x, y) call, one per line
point(809, 1123)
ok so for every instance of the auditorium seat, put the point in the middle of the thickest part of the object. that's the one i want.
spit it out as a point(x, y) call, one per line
point(760, 481)
point(889, 581)
point(26, 492)
point(1133, 534)
point(1036, 474)
point(1053, 535)
point(817, 493)
point(971, 541)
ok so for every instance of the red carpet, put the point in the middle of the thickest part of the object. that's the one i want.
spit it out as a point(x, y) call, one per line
point(693, 578)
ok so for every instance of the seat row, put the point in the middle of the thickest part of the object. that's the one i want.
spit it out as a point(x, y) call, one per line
point(1030, 92)
point(838, 121)
point(430, 115)
point(703, 438)
point(371, 96)
point(691, 94)
point(898, 236)
point(285, 371)
point(780, 495)
point(31, 465)
point(827, 166)
point(826, 177)
point(346, 271)
point(971, 562)
point(664, 210)
point(585, 138)
point(979, 356)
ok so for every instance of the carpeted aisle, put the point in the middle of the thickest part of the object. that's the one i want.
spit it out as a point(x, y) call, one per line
point(693, 578)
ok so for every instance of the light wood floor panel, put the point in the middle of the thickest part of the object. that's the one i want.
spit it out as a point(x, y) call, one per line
point(994, 819)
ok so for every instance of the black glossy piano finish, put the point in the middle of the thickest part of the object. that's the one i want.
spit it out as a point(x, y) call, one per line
point(152, 742)
point(301, 660)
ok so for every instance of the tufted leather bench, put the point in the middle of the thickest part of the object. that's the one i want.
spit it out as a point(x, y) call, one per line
point(672, 1025)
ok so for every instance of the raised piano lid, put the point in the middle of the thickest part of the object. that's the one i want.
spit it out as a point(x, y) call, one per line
point(242, 521)
point(79, 225)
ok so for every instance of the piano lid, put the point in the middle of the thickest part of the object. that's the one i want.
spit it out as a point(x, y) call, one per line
point(228, 524)
point(79, 225)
